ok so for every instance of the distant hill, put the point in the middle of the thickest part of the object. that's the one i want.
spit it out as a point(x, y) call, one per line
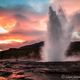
point(73, 49)
point(28, 51)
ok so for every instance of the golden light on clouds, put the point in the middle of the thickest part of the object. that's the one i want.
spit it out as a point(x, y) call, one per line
point(6, 24)
point(2, 30)
point(8, 41)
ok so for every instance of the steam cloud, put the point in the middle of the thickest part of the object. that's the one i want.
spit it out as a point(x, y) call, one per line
point(58, 36)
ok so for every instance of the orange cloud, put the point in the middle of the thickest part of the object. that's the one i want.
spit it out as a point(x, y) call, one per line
point(34, 23)
point(6, 24)
point(17, 28)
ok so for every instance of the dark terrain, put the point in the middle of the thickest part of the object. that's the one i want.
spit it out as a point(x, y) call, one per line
point(30, 70)
point(28, 51)
point(30, 67)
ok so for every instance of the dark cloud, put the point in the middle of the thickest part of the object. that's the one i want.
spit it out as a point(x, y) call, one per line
point(19, 16)
point(30, 33)
point(22, 9)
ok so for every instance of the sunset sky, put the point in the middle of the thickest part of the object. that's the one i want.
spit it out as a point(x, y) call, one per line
point(22, 21)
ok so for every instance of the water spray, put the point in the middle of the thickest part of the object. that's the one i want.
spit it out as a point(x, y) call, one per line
point(58, 35)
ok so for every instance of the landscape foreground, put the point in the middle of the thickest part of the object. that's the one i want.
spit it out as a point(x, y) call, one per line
point(31, 70)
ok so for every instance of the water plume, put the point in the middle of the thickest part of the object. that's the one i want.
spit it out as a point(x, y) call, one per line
point(58, 36)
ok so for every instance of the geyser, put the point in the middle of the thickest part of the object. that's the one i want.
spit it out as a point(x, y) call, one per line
point(58, 36)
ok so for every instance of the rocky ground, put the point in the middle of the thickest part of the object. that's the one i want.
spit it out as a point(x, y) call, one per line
point(31, 70)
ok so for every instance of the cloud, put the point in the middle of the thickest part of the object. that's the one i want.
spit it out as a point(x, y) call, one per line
point(30, 33)
point(18, 39)
point(20, 17)
point(37, 5)
point(30, 23)
point(76, 21)
point(70, 6)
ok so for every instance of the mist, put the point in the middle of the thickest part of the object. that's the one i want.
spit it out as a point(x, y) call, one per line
point(59, 32)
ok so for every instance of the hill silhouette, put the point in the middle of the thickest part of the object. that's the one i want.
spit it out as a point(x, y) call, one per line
point(28, 51)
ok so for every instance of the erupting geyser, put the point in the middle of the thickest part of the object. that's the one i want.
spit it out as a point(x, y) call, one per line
point(58, 36)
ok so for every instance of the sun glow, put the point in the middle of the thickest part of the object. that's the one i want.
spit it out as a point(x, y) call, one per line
point(2, 30)
point(10, 41)
point(6, 24)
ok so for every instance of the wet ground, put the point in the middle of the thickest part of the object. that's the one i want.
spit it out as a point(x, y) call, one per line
point(31, 70)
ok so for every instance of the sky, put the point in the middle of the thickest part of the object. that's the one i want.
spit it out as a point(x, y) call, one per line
point(23, 21)
point(70, 6)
